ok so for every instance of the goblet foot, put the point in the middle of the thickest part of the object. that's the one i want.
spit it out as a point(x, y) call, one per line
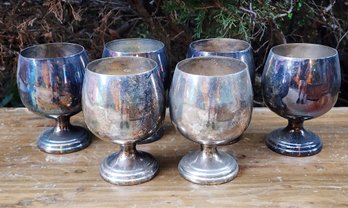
point(128, 168)
point(294, 142)
point(154, 137)
point(208, 168)
point(62, 142)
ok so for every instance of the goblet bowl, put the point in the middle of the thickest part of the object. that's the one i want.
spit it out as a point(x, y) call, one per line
point(142, 47)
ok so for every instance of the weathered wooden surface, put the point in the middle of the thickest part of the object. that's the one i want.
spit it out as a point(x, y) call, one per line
point(30, 178)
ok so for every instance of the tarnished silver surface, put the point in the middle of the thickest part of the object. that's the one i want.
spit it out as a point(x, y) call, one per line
point(142, 47)
point(211, 104)
point(123, 103)
point(300, 82)
point(49, 78)
point(227, 47)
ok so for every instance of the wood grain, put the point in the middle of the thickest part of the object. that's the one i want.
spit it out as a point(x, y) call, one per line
point(30, 178)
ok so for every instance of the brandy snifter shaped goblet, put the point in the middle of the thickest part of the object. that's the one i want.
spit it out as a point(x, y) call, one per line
point(227, 47)
point(211, 102)
point(49, 79)
point(300, 82)
point(123, 103)
point(142, 47)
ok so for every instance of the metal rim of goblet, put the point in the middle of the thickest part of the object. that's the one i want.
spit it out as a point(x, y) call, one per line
point(91, 66)
point(108, 46)
point(241, 64)
point(79, 50)
point(197, 42)
point(279, 50)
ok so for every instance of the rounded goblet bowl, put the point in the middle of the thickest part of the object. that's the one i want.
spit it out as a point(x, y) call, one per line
point(49, 79)
point(211, 104)
point(300, 82)
point(142, 47)
point(123, 103)
point(227, 47)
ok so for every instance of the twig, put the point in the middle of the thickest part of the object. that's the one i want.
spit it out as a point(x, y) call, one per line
point(287, 13)
point(177, 35)
point(342, 37)
point(329, 8)
point(249, 11)
point(257, 50)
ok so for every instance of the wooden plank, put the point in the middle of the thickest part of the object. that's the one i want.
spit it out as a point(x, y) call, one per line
point(30, 178)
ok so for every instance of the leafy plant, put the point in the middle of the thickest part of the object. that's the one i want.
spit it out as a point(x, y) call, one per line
point(263, 22)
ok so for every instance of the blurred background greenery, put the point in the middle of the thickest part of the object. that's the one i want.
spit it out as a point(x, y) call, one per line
point(92, 23)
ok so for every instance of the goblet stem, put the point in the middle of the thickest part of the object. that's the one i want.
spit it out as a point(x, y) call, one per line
point(128, 153)
point(128, 166)
point(208, 151)
point(295, 125)
point(294, 140)
point(63, 124)
point(63, 138)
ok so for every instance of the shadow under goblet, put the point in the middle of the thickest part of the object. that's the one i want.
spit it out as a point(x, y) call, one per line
point(142, 47)
point(123, 102)
point(300, 82)
point(49, 79)
point(211, 104)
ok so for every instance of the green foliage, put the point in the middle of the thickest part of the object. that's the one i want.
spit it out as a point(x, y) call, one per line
point(291, 20)
point(208, 19)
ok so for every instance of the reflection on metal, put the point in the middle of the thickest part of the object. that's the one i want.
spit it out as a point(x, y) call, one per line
point(49, 78)
point(300, 82)
point(211, 104)
point(123, 103)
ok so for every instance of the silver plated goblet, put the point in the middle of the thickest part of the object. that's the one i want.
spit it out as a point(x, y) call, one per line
point(227, 47)
point(123, 103)
point(142, 47)
point(210, 102)
point(49, 78)
point(300, 82)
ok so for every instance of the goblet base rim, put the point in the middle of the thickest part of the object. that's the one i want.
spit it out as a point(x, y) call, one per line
point(220, 168)
point(63, 142)
point(154, 137)
point(294, 143)
point(142, 168)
